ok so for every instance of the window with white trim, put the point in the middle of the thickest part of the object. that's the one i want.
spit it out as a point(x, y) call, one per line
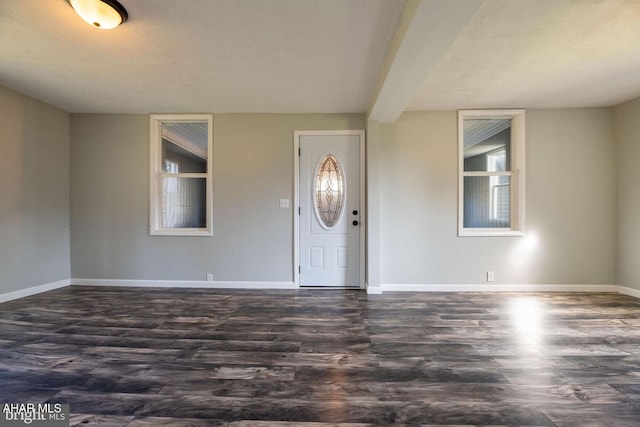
point(181, 174)
point(491, 187)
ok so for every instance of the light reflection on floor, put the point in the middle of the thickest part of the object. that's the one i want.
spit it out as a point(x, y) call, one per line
point(527, 316)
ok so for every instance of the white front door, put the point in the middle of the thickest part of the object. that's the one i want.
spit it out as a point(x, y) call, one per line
point(330, 209)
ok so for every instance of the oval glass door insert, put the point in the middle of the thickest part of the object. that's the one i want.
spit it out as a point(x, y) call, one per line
point(329, 192)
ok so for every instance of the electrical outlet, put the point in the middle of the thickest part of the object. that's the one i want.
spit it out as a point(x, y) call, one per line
point(284, 203)
point(209, 277)
point(490, 276)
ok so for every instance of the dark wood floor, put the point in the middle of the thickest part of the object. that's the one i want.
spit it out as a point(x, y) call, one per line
point(156, 357)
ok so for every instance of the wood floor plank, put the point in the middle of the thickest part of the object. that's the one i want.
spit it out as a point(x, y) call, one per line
point(314, 358)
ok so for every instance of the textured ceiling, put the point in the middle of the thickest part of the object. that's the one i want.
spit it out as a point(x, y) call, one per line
point(200, 55)
point(533, 53)
point(315, 56)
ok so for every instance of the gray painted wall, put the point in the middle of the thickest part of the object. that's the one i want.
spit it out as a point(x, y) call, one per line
point(627, 127)
point(34, 201)
point(571, 213)
point(571, 203)
point(253, 169)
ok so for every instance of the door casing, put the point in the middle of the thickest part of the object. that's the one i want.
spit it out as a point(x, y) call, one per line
point(296, 199)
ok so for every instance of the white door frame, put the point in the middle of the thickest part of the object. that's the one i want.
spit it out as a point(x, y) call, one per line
point(296, 199)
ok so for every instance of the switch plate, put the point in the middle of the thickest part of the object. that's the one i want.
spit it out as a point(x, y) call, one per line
point(490, 276)
point(284, 203)
point(209, 277)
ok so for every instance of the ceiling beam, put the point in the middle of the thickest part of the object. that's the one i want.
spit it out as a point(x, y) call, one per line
point(426, 31)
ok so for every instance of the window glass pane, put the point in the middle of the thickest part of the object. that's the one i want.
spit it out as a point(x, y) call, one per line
point(186, 145)
point(487, 145)
point(487, 201)
point(329, 192)
point(184, 202)
point(175, 159)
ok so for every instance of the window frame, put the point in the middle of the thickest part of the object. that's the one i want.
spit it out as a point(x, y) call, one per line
point(157, 174)
point(516, 173)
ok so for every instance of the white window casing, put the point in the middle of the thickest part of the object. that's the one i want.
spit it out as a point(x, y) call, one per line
point(181, 175)
point(493, 202)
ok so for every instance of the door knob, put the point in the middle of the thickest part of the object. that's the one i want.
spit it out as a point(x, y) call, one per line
point(355, 222)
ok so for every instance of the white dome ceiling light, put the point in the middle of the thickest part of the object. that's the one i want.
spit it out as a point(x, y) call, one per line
point(103, 14)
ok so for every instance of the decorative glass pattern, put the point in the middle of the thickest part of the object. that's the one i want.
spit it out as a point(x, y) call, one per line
point(329, 191)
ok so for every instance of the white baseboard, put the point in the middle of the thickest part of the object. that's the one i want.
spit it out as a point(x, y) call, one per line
point(386, 287)
point(9, 296)
point(183, 284)
point(389, 287)
point(374, 290)
point(628, 291)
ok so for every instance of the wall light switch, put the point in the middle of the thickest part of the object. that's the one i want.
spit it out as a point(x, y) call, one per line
point(284, 203)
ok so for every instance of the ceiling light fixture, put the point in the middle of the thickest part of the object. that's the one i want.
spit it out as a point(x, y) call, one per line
point(103, 14)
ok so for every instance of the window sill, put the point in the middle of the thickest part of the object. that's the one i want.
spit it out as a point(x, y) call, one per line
point(203, 232)
point(489, 232)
